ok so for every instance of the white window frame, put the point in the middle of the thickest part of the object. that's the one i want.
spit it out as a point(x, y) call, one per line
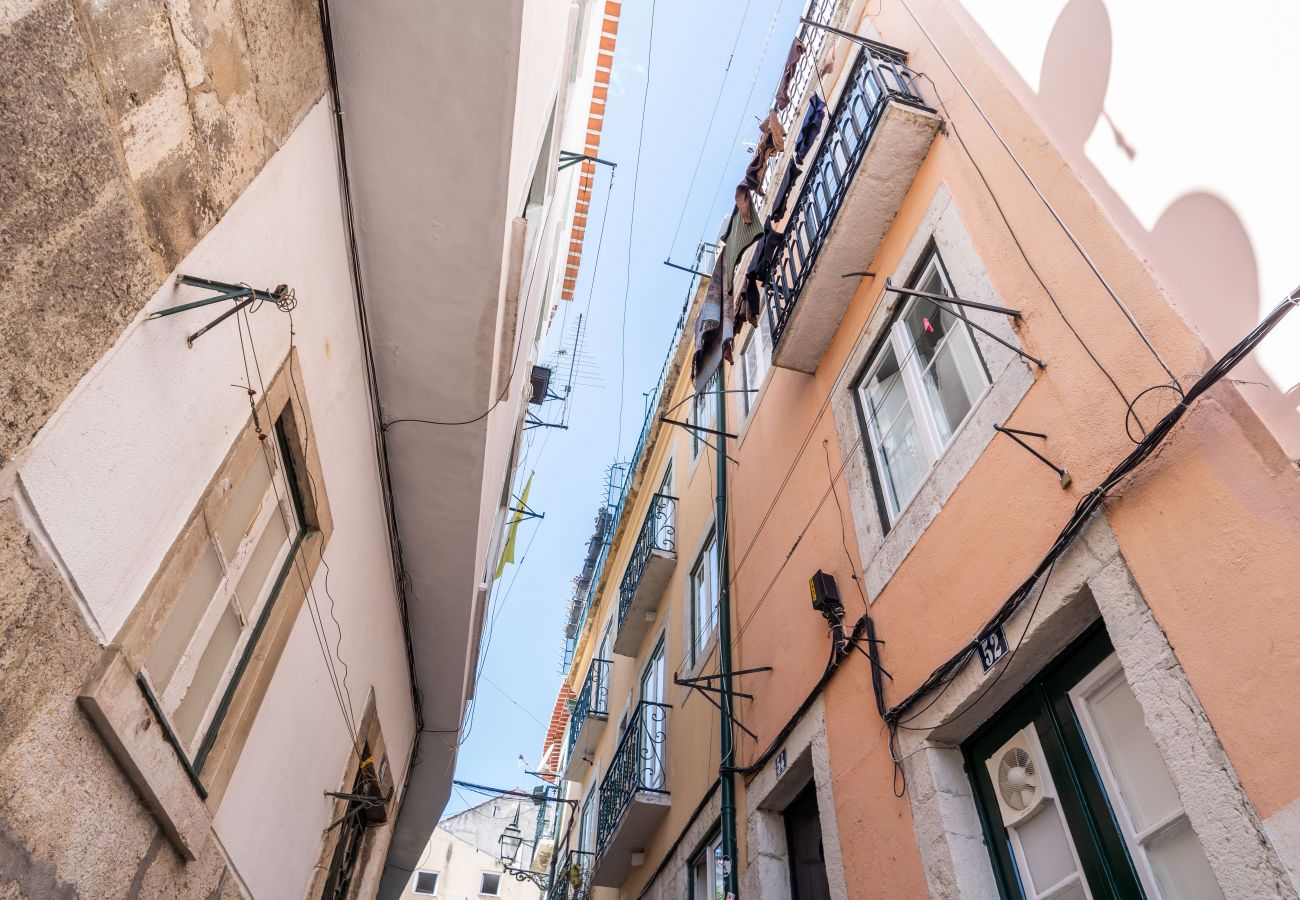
point(415, 889)
point(482, 878)
point(704, 411)
point(703, 870)
point(1100, 678)
point(917, 397)
point(758, 356)
point(276, 500)
point(704, 576)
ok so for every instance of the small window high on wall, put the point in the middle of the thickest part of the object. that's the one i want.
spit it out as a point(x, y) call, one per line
point(1075, 797)
point(917, 389)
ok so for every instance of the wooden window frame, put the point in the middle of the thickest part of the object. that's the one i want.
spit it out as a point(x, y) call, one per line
point(182, 796)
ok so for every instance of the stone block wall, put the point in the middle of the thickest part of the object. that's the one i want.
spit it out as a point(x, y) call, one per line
point(127, 129)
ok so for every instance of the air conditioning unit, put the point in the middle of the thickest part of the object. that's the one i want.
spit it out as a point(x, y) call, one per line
point(1020, 777)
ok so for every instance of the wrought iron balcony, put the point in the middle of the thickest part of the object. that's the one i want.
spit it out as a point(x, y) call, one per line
point(572, 880)
point(587, 721)
point(877, 138)
point(633, 794)
point(647, 573)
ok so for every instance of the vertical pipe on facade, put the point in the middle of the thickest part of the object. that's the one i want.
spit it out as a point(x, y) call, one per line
point(728, 750)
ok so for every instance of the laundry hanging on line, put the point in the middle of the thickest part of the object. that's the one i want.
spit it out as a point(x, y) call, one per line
point(812, 126)
point(769, 144)
point(713, 330)
point(787, 74)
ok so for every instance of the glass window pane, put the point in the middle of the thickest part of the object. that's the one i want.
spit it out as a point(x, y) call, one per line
point(1180, 867)
point(884, 394)
point(953, 382)
point(903, 458)
point(245, 500)
point(1046, 848)
point(1147, 792)
point(252, 584)
point(927, 325)
point(184, 618)
point(1073, 892)
point(209, 675)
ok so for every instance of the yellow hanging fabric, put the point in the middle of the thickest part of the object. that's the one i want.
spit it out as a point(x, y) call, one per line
point(512, 530)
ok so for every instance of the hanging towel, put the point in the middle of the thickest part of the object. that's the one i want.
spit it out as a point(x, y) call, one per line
point(713, 331)
point(812, 126)
point(769, 144)
point(783, 89)
point(782, 194)
point(740, 236)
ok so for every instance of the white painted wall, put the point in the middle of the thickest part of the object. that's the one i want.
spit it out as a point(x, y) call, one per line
point(1176, 115)
point(117, 470)
point(460, 867)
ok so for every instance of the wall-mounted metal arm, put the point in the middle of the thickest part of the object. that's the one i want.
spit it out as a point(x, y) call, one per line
point(672, 265)
point(569, 158)
point(988, 307)
point(1014, 434)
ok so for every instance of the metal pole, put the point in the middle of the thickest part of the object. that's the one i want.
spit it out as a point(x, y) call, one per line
point(727, 777)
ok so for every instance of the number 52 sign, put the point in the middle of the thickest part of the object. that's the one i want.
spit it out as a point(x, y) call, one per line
point(991, 646)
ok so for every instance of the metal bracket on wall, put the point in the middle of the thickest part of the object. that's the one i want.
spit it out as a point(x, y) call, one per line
point(1014, 434)
point(942, 301)
point(282, 297)
point(569, 158)
point(700, 683)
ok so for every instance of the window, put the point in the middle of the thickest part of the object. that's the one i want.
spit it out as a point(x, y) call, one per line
point(1075, 795)
point(587, 824)
point(200, 647)
point(754, 362)
point(918, 388)
point(489, 884)
point(704, 598)
point(707, 879)
point(426, 882)
point(704, 413)
point(239, 567)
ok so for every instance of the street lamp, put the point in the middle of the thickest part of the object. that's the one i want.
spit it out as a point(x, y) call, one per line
point(510, 841)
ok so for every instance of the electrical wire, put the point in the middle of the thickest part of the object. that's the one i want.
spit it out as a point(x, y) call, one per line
point(744, 109)
point(242, 322)
point(713, 116)
point(1051, 209)
point(631, 231)
point(1091, 502)
point(1015, 239)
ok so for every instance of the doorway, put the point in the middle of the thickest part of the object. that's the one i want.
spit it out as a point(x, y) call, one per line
point(803, 833)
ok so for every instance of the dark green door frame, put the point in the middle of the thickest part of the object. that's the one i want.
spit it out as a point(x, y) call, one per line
point(1045, 703)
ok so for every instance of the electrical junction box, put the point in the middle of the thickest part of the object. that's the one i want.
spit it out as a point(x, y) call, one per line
point(825, 595)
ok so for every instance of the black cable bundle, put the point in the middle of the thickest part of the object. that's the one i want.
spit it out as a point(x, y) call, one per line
point(1092, 501)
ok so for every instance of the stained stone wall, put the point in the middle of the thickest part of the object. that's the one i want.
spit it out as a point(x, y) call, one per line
point(127, 129)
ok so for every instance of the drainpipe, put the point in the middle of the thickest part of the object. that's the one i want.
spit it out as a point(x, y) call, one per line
point(728, 756)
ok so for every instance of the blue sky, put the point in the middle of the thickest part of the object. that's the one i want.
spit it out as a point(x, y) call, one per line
point(679, 85)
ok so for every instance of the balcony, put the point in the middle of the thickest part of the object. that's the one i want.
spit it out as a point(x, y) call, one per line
point(633, 795)
point(647, 573)
point(877, 138)
point(587, 722)
point(572, 880)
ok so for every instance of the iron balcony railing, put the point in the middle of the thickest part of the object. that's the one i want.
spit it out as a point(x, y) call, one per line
point(658, 532)
point(572, 878)
point(880, 75)
point(592, 699)
point(638, 765)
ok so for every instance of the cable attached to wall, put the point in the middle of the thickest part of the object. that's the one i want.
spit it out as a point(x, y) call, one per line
point(1090, 503)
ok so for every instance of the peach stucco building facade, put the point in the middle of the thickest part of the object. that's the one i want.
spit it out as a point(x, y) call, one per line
point(1133, 731)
